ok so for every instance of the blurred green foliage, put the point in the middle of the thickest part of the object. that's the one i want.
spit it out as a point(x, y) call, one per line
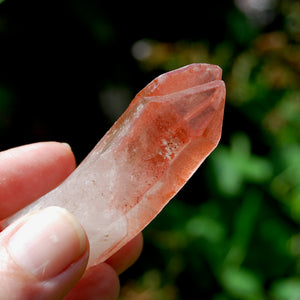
point(233, 232)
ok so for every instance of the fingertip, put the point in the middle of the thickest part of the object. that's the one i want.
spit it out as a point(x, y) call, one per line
point(62, 152)
point(46, 254)
point(99, 282)
point(47, 243)
point(127, 255)
point(28, 172)
point(68, 150)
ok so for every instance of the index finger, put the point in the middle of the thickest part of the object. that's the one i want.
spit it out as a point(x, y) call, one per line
point(27, 172)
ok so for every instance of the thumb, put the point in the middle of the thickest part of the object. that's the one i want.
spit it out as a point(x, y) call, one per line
point(42, 255)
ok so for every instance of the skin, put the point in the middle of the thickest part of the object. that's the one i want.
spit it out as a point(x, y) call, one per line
point(26, 173)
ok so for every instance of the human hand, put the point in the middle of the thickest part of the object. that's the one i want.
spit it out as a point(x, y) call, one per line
point(43, 255)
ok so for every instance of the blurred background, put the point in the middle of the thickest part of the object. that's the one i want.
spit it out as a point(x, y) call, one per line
point(68, 69)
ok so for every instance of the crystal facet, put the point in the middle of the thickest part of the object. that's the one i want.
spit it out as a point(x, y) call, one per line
point(167, 131)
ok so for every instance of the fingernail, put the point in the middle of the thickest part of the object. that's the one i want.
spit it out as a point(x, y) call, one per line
point(48, 243)
point(67, 146)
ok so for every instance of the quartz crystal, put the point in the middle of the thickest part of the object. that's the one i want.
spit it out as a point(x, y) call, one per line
point(167, 131)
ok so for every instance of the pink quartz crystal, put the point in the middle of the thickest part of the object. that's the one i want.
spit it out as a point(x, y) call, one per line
point(169, 128)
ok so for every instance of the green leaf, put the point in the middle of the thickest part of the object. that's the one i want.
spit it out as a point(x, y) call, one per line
point(237, 165)
point(241, 283)
point(286, 289)
point(244, 223)
point(206, 227)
